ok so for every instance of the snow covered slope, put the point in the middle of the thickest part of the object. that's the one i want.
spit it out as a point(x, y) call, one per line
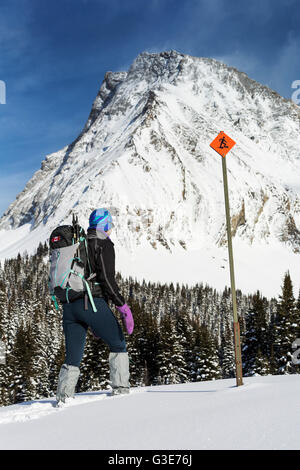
point(145, 152)
point(262, 414)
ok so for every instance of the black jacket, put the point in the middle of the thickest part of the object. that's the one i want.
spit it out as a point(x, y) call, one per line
point(102, 260)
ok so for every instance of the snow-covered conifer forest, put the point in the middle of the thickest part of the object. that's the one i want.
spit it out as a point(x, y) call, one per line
point(182, 334)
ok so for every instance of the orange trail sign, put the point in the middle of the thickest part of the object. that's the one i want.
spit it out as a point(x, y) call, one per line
point(222, 144)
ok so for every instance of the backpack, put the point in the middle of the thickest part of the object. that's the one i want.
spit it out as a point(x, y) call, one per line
point(70, 270)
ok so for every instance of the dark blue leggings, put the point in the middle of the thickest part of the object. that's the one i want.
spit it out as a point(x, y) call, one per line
point(103, 323)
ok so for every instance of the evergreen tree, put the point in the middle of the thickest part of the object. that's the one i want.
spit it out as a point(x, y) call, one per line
point(185, 332)
point(41, 363)
point(297, 317)
point(56, 362)
point(262, 365)
point(227, 359)
point(255, 337)
point(178, 332)
point(226, 350)
point(22, 382)
point(285, 328)
point(94, 368)
point(137, 347)
point(172, 367)
point(150, 347)
point(206, 361)
point(55, 345)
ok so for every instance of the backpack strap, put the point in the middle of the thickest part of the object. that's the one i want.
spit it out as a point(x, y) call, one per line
point(87, 257)
point(87, 289)
point(90, 277)
point(53, 298)
point(55, 302)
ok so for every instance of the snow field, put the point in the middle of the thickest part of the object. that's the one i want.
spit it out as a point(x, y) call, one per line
point(261, 414)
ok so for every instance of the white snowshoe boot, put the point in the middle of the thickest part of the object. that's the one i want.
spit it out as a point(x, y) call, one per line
point(119, 372)
point(67, 381)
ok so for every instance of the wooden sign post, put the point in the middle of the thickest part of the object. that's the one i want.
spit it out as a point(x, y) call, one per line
point(222, 144)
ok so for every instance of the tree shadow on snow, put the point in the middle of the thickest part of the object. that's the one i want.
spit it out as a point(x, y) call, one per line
point(103, 392)
point(35, 402)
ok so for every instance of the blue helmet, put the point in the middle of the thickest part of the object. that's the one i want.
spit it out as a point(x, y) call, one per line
point(101, 220)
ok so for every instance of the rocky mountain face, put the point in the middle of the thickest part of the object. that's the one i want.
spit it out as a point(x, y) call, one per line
point(144, 152)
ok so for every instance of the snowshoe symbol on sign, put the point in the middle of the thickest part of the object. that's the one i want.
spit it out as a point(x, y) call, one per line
point(222, 144)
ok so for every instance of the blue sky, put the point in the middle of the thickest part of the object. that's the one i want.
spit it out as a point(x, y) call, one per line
point(54, 54)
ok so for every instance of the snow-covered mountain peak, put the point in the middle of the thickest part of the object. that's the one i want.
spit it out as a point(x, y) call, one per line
point(144, 151)
point(107, 89)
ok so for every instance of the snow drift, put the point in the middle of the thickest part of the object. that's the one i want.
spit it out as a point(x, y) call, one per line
point(261, 414)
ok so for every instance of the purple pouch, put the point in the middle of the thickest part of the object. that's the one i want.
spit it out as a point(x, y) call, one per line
point(127, 318)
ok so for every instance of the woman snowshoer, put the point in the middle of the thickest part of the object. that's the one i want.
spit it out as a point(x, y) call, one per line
point(104, 324)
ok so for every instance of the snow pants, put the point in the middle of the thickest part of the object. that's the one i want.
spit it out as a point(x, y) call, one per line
point(103, 323)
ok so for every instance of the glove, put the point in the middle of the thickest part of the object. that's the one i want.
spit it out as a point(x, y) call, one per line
point(127, 318)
